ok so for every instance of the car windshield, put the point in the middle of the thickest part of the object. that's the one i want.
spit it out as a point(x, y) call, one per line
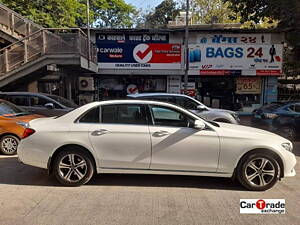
point(10, 110)
point(63, 101)
point(271, 106)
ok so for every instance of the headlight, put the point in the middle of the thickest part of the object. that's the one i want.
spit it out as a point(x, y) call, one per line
point(235, 116)
point(23, 124)
point(287, 146)
point(270, 115)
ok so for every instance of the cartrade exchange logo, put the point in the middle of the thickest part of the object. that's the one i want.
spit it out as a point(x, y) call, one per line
point(262, 206)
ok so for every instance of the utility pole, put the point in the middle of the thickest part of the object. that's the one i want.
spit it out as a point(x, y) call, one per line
point(88, 31)
point(186, 47)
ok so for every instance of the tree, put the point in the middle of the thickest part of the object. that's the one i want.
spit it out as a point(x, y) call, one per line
point(213, 11)
point(48, 13)
point(166, 11)
point(112, 13)
point(72, 13)
point(287, 12)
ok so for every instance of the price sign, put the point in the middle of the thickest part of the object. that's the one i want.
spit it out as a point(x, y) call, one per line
point(251, 85)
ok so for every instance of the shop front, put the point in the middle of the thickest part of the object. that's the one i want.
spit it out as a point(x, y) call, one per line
point(235, 71)
point(135, 62)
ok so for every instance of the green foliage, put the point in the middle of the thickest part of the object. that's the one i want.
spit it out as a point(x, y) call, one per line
point(287, 12)
point(214, 11)
point(72, 13)
point(48, 13)
point(166, 11)
point(112, 13)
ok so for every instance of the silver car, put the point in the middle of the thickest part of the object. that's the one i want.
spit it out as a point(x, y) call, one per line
point(191, 104)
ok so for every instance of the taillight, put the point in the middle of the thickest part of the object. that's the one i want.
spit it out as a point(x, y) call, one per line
point(28, 132)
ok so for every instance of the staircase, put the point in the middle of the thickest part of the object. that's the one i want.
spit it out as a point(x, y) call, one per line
point(35, 47)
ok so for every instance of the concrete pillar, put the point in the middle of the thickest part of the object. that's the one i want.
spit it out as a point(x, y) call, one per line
point(33, 87)
point(68, 80)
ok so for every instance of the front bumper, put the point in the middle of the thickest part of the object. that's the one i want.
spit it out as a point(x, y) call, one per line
point(289, 164)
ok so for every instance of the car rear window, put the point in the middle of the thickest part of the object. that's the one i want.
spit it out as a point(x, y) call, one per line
point(9, 110)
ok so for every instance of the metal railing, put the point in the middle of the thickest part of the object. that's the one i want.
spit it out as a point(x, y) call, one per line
point(44, 42)
point(16, 24)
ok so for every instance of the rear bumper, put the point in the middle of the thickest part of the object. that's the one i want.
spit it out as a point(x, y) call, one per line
point(32, 156)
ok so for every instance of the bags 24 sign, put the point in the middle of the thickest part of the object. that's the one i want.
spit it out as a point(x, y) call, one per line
point(236, 57)
point(139, 56)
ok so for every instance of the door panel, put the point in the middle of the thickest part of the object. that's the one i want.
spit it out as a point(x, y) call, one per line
point(121, 146)
point(184, 149)
point(178, 146)
point(122, 140)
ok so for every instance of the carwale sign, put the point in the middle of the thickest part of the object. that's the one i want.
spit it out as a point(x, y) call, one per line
point(256, 57)
point(139, 56)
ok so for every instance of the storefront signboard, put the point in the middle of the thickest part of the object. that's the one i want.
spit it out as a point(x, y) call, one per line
point(139, 56)
point(132, 38)
point(234, 38)
point(264, 59)
point(249, 85)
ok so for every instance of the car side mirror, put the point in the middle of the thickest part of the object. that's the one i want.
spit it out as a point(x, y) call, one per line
point(49, 105)
point(199, 125)
point(201, 107)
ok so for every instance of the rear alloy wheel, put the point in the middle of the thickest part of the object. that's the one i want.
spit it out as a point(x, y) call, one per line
point(9, 145)
point(73, 167)
point(258, 172)
point(288, 133)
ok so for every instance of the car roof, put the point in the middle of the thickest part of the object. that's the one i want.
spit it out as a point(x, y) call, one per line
point(154, 94)
point(24, 93)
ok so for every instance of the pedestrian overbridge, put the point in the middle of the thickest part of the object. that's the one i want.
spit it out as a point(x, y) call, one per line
point(33, 47)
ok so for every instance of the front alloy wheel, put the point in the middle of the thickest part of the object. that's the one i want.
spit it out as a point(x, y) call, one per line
point(258, 171)
point(73, 167)
point(9, 145)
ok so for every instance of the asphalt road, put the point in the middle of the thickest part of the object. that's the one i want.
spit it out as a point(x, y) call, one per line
point(29, 196)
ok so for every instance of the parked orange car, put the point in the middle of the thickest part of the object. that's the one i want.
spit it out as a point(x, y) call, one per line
point(12, 125)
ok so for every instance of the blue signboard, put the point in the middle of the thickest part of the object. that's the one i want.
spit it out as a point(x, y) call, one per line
point(113, 53)
point(132, 38)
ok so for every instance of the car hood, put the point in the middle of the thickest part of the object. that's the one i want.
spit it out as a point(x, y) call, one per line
point(221, 110)
point(227, 129)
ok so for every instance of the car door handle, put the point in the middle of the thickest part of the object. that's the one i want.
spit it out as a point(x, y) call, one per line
point(99, 132)
point(160, 133)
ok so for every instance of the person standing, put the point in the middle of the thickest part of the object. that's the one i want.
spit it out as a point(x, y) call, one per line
point(272, 53)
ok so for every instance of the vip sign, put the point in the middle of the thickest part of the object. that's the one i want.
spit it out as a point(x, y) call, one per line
point(262, 206)
point(255, 57)
point(140, 56)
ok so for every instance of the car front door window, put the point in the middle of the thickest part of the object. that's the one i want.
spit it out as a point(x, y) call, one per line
point(164, 116)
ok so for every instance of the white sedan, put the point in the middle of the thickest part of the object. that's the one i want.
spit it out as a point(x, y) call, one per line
point(147, 137)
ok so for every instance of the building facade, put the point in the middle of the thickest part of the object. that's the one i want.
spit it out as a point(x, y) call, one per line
point(231, 69)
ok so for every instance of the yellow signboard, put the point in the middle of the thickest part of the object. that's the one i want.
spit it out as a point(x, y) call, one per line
point(248, 85)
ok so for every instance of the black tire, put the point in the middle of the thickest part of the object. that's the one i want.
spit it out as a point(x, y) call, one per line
point(9, 144)
point(288, 132)
point(85, 168)
point(263, 180)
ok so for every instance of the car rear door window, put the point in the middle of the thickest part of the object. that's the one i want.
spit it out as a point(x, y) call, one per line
point(124, 114)
point(297, 108)
point(91, 116)
point(19, 100)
